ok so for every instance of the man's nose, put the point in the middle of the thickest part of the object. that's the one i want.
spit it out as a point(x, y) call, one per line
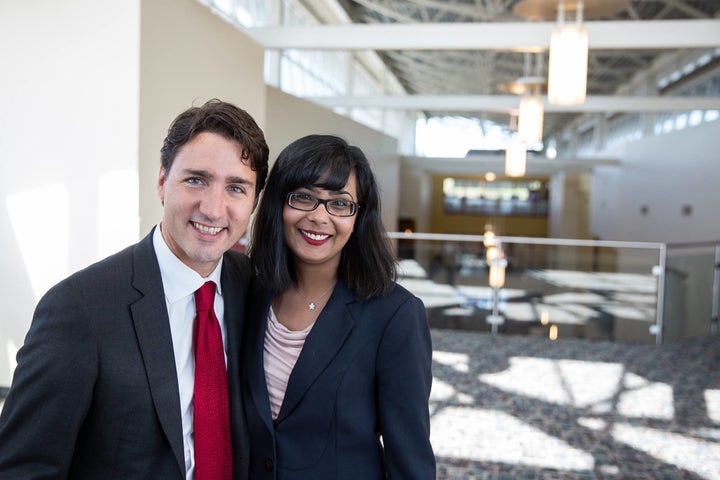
point(212, 204)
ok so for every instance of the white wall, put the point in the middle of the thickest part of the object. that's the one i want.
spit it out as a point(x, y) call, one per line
point(664, 173)
point(289, 118)
point(68, 146)
point(88, 89)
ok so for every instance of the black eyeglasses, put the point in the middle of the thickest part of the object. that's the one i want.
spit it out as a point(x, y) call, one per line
point(338, 207)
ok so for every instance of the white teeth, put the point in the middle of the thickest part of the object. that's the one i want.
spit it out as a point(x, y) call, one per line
point(208, 230)
point(313, 236)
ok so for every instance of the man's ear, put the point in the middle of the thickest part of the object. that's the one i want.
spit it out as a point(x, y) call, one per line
point(161, 185)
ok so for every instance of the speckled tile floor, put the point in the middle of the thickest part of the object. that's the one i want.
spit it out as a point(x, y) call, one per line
point(524, 407)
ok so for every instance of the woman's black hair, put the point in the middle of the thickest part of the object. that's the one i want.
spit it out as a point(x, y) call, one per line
point(367, 262)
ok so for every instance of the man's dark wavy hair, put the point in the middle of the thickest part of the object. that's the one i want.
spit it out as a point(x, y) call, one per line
point(226, 120)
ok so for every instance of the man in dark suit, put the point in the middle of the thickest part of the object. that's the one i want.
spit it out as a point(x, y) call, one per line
point(104, 384)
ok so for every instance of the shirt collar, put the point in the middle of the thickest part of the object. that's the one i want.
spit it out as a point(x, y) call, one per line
point(178, 279)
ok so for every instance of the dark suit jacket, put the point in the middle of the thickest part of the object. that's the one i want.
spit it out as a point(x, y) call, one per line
point(95, 393)
point(364, 371)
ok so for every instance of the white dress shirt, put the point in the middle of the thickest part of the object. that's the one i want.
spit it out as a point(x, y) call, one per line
point(179, 283)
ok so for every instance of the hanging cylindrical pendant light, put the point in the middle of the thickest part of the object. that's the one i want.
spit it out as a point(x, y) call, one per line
point(515, 159)
point(567, 68)
point(530, 118)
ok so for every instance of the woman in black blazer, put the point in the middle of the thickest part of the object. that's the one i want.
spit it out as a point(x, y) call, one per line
point(337, 356)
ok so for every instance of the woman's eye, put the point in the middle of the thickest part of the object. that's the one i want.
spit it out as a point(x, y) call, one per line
point(340, 203)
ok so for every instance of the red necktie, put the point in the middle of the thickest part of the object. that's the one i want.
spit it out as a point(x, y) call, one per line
point(211, 422)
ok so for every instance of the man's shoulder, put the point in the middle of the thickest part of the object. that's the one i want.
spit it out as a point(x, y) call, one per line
point(113, 263)
point(114, 267)
point(236, 259)
point(103, 280)
point(237, 263)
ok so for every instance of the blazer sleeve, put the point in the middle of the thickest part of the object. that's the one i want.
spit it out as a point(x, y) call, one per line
point(51, 390)
point(404, 380)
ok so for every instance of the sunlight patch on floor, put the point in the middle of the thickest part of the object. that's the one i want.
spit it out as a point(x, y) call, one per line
point(646, 399)
point(712, 403)
point(687, 453)
point(563, 382)
point(495, 436)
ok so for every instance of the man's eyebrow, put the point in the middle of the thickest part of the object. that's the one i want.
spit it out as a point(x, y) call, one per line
point(197, 173)
point(241, 180)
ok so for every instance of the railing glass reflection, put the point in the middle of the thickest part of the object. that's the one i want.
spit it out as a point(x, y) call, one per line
point(600, 290)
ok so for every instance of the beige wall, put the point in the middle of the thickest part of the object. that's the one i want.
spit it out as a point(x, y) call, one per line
point(569, 209)
point(416, 196)
point(188, 55)
point(289, 118)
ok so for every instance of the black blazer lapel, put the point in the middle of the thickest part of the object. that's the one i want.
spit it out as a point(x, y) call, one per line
point(254, 346)
point(321, 346)
point(152, 328)
point(235, 279)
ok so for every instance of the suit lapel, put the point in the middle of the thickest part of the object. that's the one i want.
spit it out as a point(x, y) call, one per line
point(321, 346)
point(254, 353)
point(234, 279)
point(152, 328)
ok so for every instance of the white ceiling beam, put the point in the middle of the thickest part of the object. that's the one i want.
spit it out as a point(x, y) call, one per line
point(507, 103)
point(481, 163)
point(521, 36)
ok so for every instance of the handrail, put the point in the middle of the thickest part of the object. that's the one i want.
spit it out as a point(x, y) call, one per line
point(529, 240)
point(708, 243)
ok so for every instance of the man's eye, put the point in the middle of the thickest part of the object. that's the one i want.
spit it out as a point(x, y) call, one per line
point(194, 181)
point(237, 189)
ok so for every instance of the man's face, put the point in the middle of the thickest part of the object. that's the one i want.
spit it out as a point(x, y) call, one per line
point(208, 194)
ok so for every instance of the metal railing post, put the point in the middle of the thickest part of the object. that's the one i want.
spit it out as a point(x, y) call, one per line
point(660, 306)
point(716, 293)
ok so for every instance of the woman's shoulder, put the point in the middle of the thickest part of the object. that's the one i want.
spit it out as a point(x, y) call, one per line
point(398, 295)
point(400, 291)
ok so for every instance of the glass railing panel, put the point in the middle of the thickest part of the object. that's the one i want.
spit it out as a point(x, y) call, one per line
point(554, 288)
point(693, 290)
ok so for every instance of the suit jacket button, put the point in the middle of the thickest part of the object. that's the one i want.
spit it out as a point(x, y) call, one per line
point(268, 464)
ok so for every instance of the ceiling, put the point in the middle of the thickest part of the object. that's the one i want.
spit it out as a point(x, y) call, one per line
point(473, 71)
point(458, 58)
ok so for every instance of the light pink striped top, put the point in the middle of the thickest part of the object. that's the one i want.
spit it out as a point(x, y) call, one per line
point(281, 351)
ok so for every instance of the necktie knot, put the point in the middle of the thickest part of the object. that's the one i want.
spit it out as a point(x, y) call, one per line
point(205, 297)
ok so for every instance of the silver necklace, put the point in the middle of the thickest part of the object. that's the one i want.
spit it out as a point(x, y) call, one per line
point(311, 303)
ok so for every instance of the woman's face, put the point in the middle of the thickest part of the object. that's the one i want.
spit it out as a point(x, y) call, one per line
point(317, 237)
